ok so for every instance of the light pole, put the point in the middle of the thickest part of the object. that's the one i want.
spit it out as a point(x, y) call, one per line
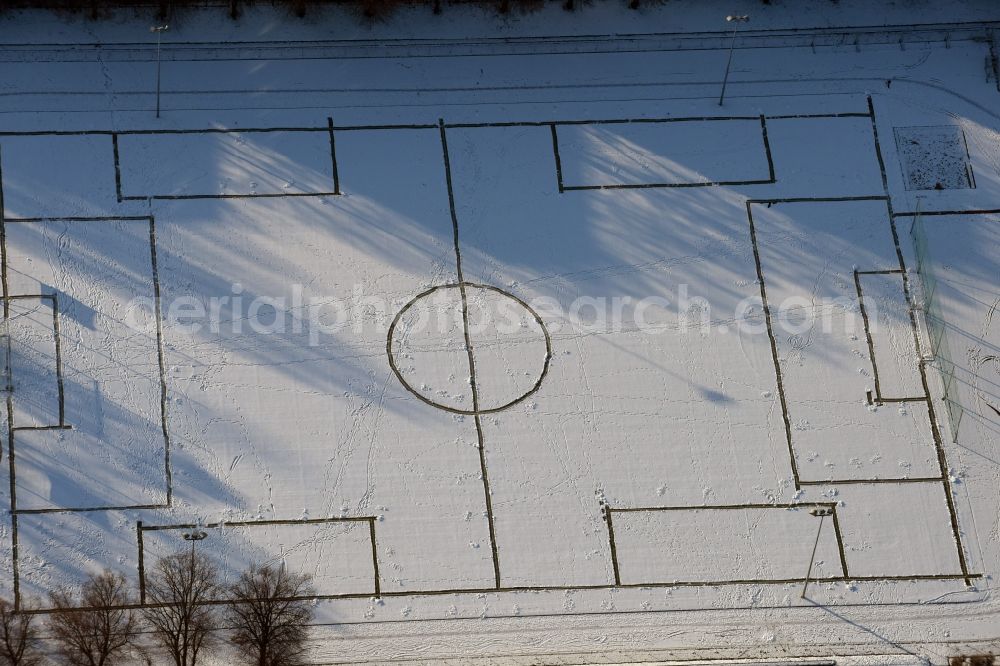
point(159, 30)
point(735, 20)
point(822, 512)
point(194, 537)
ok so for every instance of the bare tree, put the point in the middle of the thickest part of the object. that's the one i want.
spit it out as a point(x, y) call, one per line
point(179, 615)
point(99, 631)
point(269, 616)
point(18, 636)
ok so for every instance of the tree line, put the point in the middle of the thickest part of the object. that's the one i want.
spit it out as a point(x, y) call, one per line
point(263, 617)
point(370, 9)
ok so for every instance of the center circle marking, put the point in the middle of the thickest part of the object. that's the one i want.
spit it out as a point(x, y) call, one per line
point(456, 305)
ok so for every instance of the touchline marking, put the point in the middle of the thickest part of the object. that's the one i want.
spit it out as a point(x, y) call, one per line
point(416, 126)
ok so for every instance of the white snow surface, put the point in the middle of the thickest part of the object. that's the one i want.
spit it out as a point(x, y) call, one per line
point(484, 347)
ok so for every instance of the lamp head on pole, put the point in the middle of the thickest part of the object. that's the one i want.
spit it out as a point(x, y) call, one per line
point(821, 511)
point(195, 536)
point(166, 26)
point(734, 18)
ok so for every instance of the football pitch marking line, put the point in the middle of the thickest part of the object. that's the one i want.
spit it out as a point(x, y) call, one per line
point(935, 431)
point(608, 510)
point(368, 520)
point(54, 305)
point(161, 361)
point(770, 180)
point(472, 360)
point(877, 398)
point(12, 428)
point(921, 366)
point(926, 398)
point(330, 128)
point(390, 352)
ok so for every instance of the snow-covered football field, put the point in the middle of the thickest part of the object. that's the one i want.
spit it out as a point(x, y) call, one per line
point(515, 361)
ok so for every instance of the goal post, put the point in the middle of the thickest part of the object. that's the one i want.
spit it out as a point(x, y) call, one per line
point(930, 305)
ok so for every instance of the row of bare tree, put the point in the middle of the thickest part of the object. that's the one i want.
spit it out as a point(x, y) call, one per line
point(264, 614)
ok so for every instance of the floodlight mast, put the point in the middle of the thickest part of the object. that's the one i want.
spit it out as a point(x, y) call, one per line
point(821, 512)
point(194, 537)
point(159, 30)
point(735, 20)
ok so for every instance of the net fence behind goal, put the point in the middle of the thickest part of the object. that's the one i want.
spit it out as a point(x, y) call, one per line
point(930, 305)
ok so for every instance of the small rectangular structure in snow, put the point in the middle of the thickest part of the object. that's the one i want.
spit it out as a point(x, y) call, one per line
point(226, 164)
point(681, 152)
point(337, 552)
point(721, 544)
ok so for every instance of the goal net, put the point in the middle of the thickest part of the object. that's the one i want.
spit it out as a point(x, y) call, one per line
point(930, 305)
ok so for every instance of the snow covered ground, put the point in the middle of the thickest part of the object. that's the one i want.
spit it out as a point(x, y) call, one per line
point(526, 348)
